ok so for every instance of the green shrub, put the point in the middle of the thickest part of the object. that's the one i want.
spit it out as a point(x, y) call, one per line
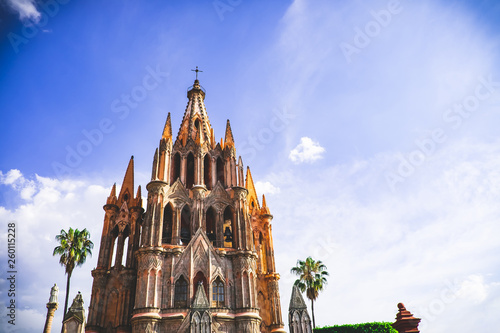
point(358, 328)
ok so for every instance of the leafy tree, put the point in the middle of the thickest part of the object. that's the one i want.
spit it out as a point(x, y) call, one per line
point(312, 279)
point(74, 247)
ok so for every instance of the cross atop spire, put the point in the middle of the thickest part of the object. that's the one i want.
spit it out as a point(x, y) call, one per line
point(196, 70)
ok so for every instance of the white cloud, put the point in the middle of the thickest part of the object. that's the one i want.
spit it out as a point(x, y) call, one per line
point(26, 9)
point(53, 205)
point(18, 182)
point(266, 188)
point(11, 177)
point(383, 247)
point(473, 289)
point(306, 151)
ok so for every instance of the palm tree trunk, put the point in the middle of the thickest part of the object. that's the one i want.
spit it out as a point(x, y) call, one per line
point(312, 308)
point(66, 299)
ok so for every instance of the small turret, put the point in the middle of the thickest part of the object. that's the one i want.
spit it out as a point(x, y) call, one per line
point(167, 130)
point(112, 196)
point(264, 209)
point(229, 139)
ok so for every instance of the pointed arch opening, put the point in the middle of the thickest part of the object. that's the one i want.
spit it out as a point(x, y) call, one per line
point(220, 170)
point(245, 297)
point(168, 222)
point(176, 168)
point(210, 226)
point(206, 323)
point(125, 252)
point(181, 292)
point(199, 278)
point(262, 253)
point(218, 293)
point(197, 124)
point(113, 247)
point(207, 171)
point(190, 171)
point(185, 225)
point(229, 228)
point(195, 321)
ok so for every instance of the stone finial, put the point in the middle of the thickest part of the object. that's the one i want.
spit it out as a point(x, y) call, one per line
point(405, 322)
point(54, 292)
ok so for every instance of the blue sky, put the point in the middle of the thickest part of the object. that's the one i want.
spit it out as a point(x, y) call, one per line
point(371, 128)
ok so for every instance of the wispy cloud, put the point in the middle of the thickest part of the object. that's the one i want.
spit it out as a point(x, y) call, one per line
point(265, 187)
point(26, 9)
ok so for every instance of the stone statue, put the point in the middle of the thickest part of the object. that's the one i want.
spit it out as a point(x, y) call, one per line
point(77, 303)
point(54, 291)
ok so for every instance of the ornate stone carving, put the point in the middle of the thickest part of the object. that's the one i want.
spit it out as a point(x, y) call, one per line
point(149, 262)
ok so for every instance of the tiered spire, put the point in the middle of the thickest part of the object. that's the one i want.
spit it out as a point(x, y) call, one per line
point(195, 121)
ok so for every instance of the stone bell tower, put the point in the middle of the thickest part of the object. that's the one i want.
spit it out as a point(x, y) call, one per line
point(201, 257)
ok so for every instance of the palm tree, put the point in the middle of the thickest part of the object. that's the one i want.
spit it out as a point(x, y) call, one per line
point(74, 248)
point(312, 278)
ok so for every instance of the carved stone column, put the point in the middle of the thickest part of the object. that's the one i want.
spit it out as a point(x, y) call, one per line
point(51, 309)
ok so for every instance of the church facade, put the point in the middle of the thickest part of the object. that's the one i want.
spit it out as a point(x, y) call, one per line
point(199, 257)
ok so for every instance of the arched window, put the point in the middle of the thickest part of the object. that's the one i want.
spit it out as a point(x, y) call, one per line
point(181, 291)
point(185, 225)
point(229, 228)
point(217, 293)
point(168, 219)
point(207, 171)
point(220, 170)
point(190, 171)
point(210, 226)
point(176, 168)
point(197, 124)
